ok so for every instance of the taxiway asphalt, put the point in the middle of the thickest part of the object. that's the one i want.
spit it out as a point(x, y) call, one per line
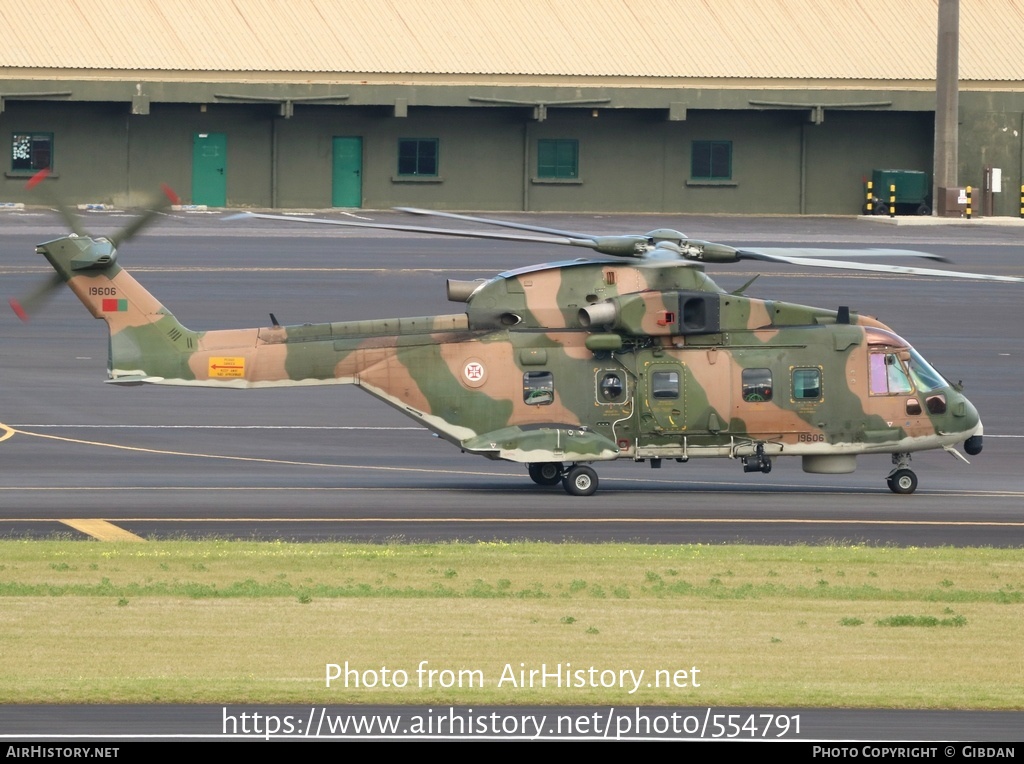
point(334, 463)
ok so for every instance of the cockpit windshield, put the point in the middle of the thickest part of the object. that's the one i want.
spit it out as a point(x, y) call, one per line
point(925, 377)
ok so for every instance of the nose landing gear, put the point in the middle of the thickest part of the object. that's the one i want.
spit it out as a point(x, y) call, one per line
point(580, 480)
point(902, 479)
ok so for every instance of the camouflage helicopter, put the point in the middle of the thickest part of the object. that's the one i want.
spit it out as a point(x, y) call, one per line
point(561, 365)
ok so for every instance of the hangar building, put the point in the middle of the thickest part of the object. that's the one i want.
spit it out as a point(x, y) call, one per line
point(766, 106)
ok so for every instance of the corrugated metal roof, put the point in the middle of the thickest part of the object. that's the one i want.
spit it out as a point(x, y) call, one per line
point(720, 39)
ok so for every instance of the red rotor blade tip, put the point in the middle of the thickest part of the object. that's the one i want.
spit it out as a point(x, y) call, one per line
point(18, 310)
point(169, 193)
point(38, 178)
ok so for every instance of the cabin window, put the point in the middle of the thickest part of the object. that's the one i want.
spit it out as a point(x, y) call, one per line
point(888, 376)
point(418, 156)
point(757, 385)
point(31, 152)
point(538, 388)
point(665, 384)
point(711, 160)
point(806, 384)
point(558, 158)
point(611, 388)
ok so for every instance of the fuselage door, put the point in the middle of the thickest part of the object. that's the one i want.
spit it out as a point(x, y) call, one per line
point(663, 384)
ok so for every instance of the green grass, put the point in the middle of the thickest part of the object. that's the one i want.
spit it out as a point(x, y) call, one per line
point(237, 622)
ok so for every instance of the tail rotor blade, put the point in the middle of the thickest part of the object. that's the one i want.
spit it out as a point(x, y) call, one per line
point(70, 219)
point(38, 178)
point(133, 227)
point(170, 194)
point(157, 208)
point(26, 307)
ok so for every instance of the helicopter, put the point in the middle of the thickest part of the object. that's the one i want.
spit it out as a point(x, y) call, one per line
point(635, 355)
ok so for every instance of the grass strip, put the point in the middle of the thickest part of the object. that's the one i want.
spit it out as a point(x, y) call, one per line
point(239, 622)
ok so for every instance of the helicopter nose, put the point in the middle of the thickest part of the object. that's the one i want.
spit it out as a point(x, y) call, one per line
point(975, 443)
point(967, 423)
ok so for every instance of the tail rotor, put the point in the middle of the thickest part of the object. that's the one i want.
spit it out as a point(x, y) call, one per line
point(27, 306)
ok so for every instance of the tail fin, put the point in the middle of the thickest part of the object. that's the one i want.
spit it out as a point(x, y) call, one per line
point(147, 343)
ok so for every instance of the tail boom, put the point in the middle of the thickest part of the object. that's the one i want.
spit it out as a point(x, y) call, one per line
point(149, 345)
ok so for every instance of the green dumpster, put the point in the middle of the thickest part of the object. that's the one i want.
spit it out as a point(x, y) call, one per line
point(913, 192)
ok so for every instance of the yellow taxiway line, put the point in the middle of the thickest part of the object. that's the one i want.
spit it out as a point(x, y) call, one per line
point(102, 530)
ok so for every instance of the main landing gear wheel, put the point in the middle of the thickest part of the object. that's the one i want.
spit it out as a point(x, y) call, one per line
point(580, 481)
point(902, 481)
point(546, 473)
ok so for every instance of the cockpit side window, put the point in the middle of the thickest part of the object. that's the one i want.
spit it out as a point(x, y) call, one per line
point(888, 376)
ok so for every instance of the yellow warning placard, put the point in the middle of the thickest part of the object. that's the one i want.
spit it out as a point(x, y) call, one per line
point(227, 367)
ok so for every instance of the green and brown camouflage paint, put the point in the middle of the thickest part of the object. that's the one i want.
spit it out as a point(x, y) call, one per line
point(569, 362)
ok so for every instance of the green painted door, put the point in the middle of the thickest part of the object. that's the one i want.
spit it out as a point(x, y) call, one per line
point(210, 169)
point(665, 395)
point(347, 184)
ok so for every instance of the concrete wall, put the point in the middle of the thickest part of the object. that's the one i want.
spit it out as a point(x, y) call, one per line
point(633, 160)
point(843, 150)
point(992, 133)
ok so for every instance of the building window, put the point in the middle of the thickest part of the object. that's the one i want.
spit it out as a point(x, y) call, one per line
point(558, 158)
point(417, 156)
point(711, 160)
point(31, 152)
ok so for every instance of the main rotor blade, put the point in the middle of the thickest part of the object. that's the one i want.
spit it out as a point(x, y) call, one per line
point(802, 252)
point(491, 221)
point(564, 241)
point(638, 246)
point(764, 255)
point(617, 246)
